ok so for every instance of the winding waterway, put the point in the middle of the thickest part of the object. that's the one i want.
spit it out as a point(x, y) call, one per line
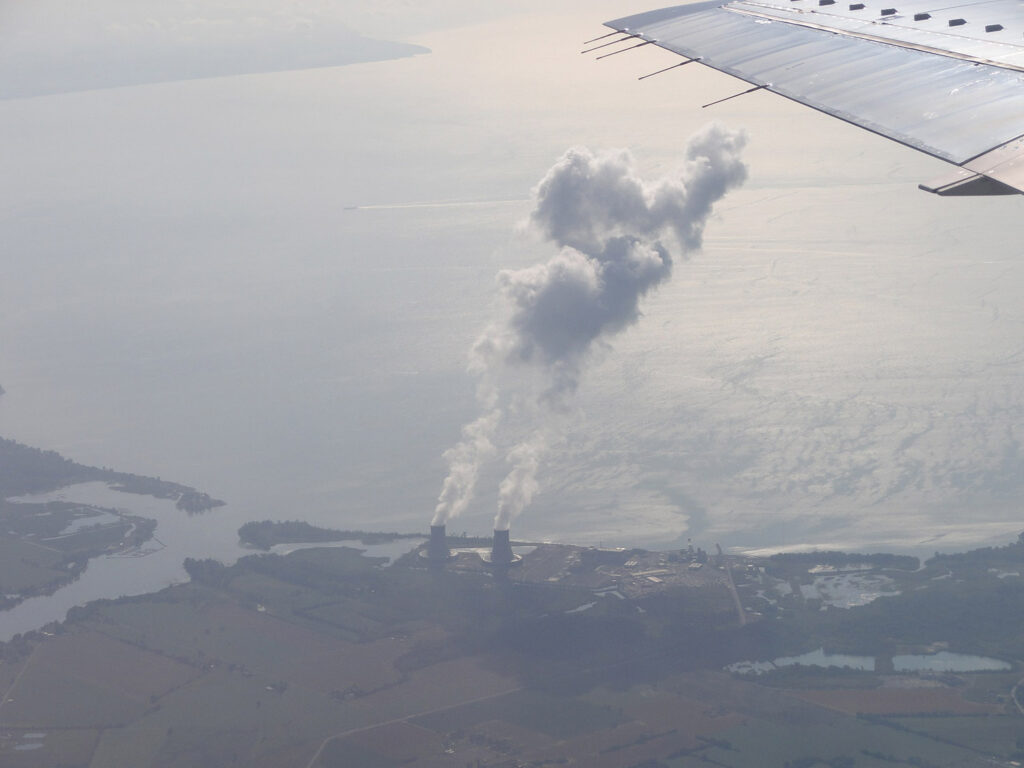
point(159, 562)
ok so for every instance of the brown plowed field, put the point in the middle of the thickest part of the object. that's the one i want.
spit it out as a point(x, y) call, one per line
point(895, 701)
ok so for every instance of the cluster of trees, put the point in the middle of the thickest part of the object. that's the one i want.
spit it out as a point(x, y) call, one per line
point(209, 572)
point(195, 501)
point(24, 469)
point(974, 615)
point(148, 486)
point(984, 557)
point(29, 470)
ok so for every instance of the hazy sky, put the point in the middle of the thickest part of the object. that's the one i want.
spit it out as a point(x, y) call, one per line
point(267, 284)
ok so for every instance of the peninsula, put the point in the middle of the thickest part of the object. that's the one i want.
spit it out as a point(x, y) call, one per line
point(45, 545)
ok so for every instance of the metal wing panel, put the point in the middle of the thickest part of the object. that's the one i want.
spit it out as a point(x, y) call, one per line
point(990, 32)
point(946, 106)
point(991, 29)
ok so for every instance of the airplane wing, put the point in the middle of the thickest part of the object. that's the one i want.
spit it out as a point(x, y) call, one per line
point(945, 79)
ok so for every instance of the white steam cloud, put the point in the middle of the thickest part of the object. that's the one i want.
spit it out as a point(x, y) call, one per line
point(616, 235)
point(517, 489)
point(464, 459)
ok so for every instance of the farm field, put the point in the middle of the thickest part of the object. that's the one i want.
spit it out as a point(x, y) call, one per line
point(897, 701)
point(1002, 735)
point(26, 566)
point(324, 658)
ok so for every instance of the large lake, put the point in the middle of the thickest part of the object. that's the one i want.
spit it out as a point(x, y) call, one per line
point(237, 284)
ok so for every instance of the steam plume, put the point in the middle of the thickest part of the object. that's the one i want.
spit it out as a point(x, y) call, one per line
point(616, 234)
point(464, 460)
point(517, 489)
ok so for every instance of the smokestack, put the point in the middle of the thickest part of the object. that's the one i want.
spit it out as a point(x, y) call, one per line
point(501, 550)
point(437, 548)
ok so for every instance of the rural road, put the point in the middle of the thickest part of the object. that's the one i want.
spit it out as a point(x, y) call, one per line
point(1013, 693)
point(395, 720)
point(732, 589)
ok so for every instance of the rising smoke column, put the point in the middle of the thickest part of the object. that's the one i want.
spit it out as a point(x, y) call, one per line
point(464, 460)
point(616, 234)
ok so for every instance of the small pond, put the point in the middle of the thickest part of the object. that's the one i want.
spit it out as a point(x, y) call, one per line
point(921, 662)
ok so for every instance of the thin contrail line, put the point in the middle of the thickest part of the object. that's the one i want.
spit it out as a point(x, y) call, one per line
point(448, 204)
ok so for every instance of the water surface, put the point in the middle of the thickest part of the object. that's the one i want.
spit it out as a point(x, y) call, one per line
point(944, 661)
point(158, 563)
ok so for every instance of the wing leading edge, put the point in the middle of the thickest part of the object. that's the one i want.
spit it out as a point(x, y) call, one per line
point(920, 74)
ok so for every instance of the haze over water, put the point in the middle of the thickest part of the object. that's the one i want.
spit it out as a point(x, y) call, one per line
point(188, 292)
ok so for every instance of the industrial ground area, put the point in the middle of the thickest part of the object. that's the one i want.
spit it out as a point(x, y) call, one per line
point(617, 572)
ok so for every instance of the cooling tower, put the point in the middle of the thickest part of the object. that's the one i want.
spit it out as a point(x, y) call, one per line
point(501, 550)
point(437, 548)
